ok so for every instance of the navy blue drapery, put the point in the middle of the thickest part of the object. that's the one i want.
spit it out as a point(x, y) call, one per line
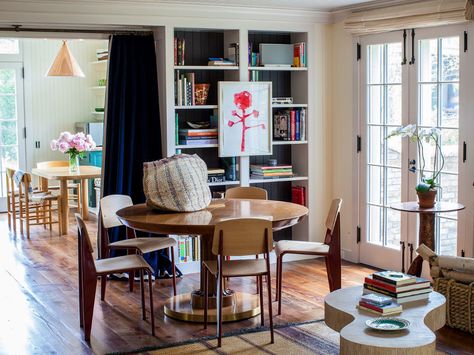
point(133, 133)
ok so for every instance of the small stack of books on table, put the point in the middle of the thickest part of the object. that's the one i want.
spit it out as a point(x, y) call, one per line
point(382, 305)
point(400, 287)
point(271, 172)
point(198, 136)
point(215, 175)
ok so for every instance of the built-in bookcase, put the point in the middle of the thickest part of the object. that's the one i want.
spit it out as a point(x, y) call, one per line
point(200, 44)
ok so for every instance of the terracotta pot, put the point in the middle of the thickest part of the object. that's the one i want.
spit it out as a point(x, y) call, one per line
point(427, 199)
point(201, 93)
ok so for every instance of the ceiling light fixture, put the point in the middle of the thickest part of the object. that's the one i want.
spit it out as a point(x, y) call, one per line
point(65, 64)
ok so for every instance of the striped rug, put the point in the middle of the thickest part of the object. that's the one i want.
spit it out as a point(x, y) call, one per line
point(304, 338)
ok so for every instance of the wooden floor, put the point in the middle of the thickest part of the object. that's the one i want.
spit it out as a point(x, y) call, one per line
point(39, 301)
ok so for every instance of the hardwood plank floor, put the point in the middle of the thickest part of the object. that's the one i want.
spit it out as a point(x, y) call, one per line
point(39, 308)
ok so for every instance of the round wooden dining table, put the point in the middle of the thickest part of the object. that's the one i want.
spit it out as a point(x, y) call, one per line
point(189, 306)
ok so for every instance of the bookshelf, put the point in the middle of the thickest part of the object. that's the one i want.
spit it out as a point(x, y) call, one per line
point(202, 43)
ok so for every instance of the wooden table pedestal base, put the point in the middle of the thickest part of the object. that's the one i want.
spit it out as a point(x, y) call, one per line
point(242, 306)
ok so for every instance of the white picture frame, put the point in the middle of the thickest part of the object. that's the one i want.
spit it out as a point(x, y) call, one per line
point(245, 118)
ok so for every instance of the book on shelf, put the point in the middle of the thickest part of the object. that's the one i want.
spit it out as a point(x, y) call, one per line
point(299, 54)
point(282, 100)
point(188, 248)
point(298, 195)
point(289, 125)
point(185, 89)
point(179, 50)
point(254, 75)
point(198, 142)
point(233, 53)
point(277, 65)
point(262, 171)
point(231, 168)
point(198, 132)
point(215, 175)
point(176, 128)
point(220, 62)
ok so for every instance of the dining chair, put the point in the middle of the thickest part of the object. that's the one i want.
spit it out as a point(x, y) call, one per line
point(12, 193)
point(247, 192)
point(109, 205)
point(71, 185)
point(330, 249)
point(239, 237)
point(35, 208)
point(90, 270)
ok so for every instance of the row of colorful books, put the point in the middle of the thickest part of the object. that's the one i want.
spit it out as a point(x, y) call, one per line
point(179, 48)
point(184, 89)
point(400, 287)
point(299, 55)
point(290, 125)
point(188, 249)
point(197, 136)
point(271, 172)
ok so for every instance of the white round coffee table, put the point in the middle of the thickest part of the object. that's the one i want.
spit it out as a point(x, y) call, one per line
point(425, 317)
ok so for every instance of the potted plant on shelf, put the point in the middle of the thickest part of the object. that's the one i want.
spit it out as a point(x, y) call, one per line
point(428, 186)
point(75, 146)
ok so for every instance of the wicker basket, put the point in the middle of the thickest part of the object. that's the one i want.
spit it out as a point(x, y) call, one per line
point(459, 303)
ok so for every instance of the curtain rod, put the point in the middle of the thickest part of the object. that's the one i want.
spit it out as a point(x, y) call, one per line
point(19, 28)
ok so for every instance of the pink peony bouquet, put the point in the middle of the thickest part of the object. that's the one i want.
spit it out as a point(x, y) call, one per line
point(73, 144)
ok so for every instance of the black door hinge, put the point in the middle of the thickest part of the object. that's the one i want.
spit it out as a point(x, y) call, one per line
point(23, 72)
point(358, 235)
point(464, 152)
point(412, 61)
point(465, 41)
point(404, 60)
point(463, 254)
point(359, 144)
point(358, 51)
point(24, 132)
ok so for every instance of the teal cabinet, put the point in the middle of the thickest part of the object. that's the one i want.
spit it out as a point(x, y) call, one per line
point(92, 158)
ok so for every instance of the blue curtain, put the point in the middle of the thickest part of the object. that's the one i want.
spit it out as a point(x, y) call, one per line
point(132, 127)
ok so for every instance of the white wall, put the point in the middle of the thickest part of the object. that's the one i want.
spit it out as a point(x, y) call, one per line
point(54, 104)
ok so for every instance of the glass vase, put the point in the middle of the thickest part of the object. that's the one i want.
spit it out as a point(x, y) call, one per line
point(73, 164)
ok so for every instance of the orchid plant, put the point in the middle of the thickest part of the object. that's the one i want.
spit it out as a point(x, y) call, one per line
point(421, 136)
point(75, 145)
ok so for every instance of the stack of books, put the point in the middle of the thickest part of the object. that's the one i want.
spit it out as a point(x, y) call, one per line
point(215, 175)
point(381, 305)
point(233, 53)
point(179, 46)
point(271, 172)
point(282, 100)
point(219, 62)
point(289, 125)
point(299, 54)
point(198, 136)
point(400, 287)
point(188, 249)
point(184, 89)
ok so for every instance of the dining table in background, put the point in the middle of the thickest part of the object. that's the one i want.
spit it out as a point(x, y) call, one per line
point(63, 175)
point(189, 306)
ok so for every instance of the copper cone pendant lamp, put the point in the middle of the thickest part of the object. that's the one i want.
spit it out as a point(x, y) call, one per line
point(65, 64)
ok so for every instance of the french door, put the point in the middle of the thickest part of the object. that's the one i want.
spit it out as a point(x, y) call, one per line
point(408, 83)
point(12, 122)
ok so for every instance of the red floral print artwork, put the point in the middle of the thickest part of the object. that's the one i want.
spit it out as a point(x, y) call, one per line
point(243, 101)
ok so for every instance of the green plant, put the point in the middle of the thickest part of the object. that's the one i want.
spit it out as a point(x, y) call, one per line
point(421, 137)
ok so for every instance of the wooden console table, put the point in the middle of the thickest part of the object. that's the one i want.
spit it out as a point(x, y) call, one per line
point(426, 233)
point(425, 317)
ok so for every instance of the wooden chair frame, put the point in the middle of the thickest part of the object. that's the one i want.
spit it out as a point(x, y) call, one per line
point(12, 206)
point(268, 241)
point(332, 257)
point(88, 281)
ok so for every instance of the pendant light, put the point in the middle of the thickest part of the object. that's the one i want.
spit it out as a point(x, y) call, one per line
point(65, 64)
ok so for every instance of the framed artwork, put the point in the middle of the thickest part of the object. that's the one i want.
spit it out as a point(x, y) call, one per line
point(245, 124)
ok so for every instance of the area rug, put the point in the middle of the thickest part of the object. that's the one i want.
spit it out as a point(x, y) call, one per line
point(301, 338)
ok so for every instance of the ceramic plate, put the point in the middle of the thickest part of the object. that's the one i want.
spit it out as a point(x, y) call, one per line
point(388, 323)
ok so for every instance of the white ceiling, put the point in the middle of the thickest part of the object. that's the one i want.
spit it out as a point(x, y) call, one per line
point(313, 5)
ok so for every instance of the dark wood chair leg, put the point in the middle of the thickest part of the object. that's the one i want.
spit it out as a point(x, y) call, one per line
point(81, 286)
point(90, 284)
point(276, 279)
point(270, 309)
point(103, 285)
point(142, 291)
point(280, 279)
point(131, 275)
point(333, 265)
point(206, 296)
point(152, 313)
point(260, 286)
point(256, 279)
point(173, 268)
point(219, 310)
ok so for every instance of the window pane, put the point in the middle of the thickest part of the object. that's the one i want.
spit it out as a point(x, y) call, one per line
point(375, 225)
point(428, 68)
point(375, 64)
point(450, 59)
point(394, 186)
point(375, 104)
point(8, 133)
point(449, 192)
point(428, 104)
point(9, 157)
point(375, 185)
point(9, 46)
point(375, 145)
point(448, 230)
point(450, 149)
point(394, 60)
point(394, 104)
point(394, 150)
point(450, 105)
point(7, 106)
point(393, 228)
point(7, 81)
